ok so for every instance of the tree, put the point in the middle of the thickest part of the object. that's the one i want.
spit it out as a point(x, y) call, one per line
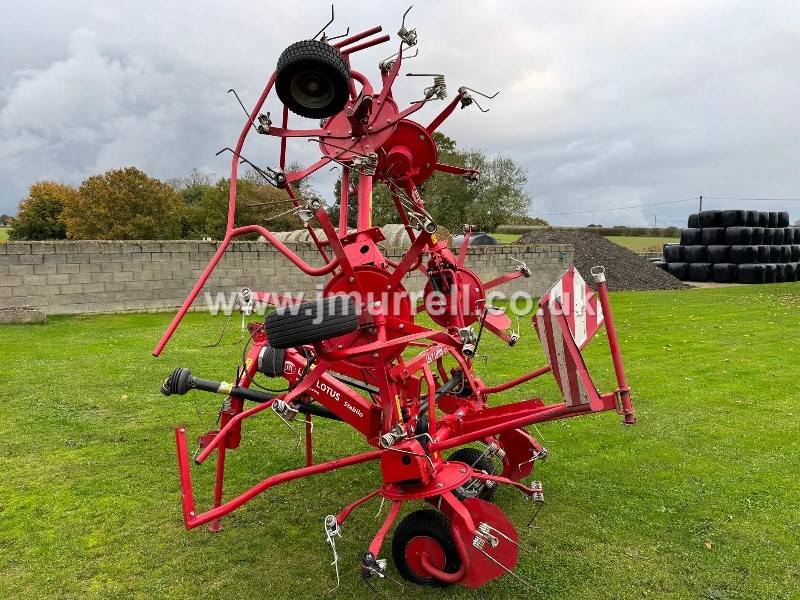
point(40, 215)
point(124, 204)
point(496, 198)
point(5, 220)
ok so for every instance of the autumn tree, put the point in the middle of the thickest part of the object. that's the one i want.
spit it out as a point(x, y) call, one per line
point(124, 204)
point(40, 215)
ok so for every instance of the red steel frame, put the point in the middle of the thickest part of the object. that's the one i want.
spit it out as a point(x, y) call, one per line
point(404, 385)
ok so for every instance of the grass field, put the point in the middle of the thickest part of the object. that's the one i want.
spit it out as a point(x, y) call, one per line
point(699, 499)
point(642, 244)
point(4, 233)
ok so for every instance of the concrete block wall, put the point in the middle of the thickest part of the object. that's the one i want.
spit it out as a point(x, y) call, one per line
point(66, 277)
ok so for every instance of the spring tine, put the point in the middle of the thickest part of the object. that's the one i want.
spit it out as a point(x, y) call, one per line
point(504, 536)
point(243, 108)
point(222, 334)
point(380, 508)
point(506, 569)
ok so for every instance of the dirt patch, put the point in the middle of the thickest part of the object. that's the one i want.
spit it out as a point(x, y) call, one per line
point(625, 270)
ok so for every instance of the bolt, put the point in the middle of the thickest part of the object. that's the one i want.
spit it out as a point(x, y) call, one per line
point(402, 326)
point(352, 279)
point(462, 470)
point(369, 127)
point(329, 132)
point(427, 165)
point(374, 355)
point(339, 347)
point(191, 514)
point(439, 485)
point(388, 121)
point(388, 287)
point(352, 139)
point(477, 290)
point(350, 132)
point(183, 430)
point(422, 138)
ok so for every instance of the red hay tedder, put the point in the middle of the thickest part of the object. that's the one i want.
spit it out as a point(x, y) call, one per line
point(357, 355)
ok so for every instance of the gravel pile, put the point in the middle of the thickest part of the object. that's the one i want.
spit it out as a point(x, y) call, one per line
point(625, 270)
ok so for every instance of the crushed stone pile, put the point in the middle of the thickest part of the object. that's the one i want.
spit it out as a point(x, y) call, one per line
point(625, 270)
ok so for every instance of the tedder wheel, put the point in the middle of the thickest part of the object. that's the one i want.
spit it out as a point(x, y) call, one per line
point(312, 79)
point(309, 322)
point(474, 488)
point(425, 531)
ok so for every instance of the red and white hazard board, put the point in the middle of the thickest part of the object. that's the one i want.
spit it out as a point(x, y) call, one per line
point(568, 317)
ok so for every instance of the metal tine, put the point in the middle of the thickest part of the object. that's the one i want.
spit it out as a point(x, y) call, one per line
point(380, 508)
point(326, 24)
point(332, 529)
point(222, 334)
point(506, 569)
point(504, 536)
point(481, 93)
point(243, 108)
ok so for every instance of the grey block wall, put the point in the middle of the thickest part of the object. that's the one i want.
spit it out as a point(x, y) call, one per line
point(62, 277)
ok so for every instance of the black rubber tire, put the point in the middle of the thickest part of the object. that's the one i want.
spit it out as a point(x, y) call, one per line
point(696, 254)
point(710, 218)
point(786, 254)
point(474, 458)
point(678, 270)
point(271, 361)
point(783, 219)
point(312, 62)
point(790, 272)
point(723, 273)
point(758, 236)
point(712, 235)
point(733, 218)
point(744, 255)
point(310, 322)
point(775, 254)
point(777, 236)
point(719, 254)
point(694, 221)
point(769, 235)
point(764, 254)
point(674, 253)
point(691, 237)
point(738, 235)
point(771, 273)
point(751, 273)
point(699, 271)
point(773, 219)
point(431, 524)
point(753, 218)
point(763, 219)
point(795, 252)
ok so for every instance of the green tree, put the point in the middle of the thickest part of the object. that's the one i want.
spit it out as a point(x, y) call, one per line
point(124, 204)
point(40, 215)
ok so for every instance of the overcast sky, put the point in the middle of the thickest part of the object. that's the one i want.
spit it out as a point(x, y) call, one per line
point(607, 104)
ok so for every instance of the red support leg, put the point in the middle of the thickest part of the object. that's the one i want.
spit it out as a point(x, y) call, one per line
point(215, 525)
point(309, 442)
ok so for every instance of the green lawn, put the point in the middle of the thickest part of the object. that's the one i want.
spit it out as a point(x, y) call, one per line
point(699, 499)
point(4, 233)
point(642, 244)
point(506, 238)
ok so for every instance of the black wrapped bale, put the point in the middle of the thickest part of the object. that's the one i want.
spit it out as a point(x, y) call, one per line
point(786, 254)
point(691, 237)
point(743, 255)
point(777, 237)
point(771, 274)
point(720, 254)
point(795, 252)
point(763, 218)
point(674, 253)
point(678, 270)
point(661, 264)
point(790, 272)
point(694, 221)
point(733, 218)
point(780, 273)
point(740, 236)
point(723, 273)
point(783, 219)
point(775, 254)
point(773, 219)
point(696, 254)
point(758, 236)
point(751, 273)
point(797, 235)
point(699, 271)
point(788, 235)
point(764, 254)
point(712, 235)
point(712, 218)
point(769, 236)
point(752, 218)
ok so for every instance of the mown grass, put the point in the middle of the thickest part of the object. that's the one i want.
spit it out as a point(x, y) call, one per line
point(642, 244)
point(4, 233)
point(699, 499)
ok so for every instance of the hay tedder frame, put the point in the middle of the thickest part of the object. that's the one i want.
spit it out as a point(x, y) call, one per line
point(357, 354)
